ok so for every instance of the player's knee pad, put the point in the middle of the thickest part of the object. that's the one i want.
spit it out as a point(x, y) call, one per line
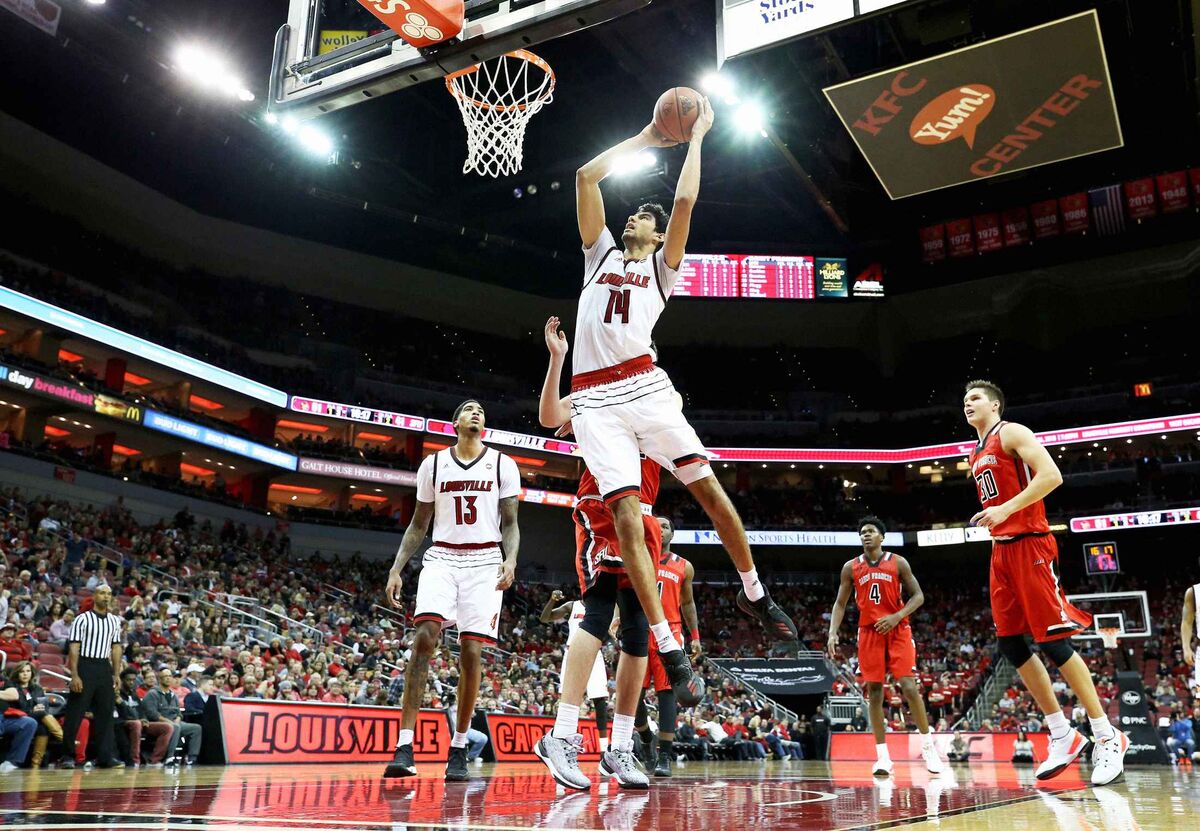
point(1016, 649)
point(693, 472)
point(597, 615)
point(635, 629)
point(1059, 651)
point(668, 711)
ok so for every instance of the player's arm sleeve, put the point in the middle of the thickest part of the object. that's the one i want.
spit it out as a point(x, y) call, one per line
point(425, 479)
point(510, 477)
point(594, 253)
point(666, 276)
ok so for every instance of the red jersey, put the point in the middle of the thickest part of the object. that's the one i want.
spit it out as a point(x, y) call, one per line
point(877, 589)
point(999, 477)
point(670, 574)
point(650, 479)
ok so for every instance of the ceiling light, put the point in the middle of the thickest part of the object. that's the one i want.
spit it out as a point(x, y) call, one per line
point(719, 86)
point(314, 140)
point(751, 119)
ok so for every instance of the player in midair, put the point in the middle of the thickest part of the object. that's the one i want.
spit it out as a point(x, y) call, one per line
point(573, 613)
point(1189, 626)
point(674, 577)
point(885, 639)
point(470, 493)
point(1013, 473)
point(623, 406)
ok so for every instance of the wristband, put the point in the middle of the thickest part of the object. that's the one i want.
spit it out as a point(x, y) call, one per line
point(694, 634)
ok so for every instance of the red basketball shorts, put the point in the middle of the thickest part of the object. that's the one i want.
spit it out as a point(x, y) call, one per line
point(1026, 596)
point(656, 673)
point(596, 546)
point(892, 653)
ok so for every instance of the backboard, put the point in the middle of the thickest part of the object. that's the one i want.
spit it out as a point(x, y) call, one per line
point(335, 53)
point(745, 26)
point(1127, 611)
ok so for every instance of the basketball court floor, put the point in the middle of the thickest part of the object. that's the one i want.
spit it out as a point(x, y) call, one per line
point(715, 796)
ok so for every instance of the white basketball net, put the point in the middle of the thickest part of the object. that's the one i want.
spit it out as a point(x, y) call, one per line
point(497, 98)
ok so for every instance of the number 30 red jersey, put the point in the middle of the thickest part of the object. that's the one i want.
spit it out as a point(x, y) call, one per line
point(999, 477)
point(877, 589)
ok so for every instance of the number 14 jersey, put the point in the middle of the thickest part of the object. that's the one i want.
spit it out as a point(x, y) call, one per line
point(466, 503)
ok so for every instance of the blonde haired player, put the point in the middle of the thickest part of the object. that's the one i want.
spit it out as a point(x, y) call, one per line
point(470, 493)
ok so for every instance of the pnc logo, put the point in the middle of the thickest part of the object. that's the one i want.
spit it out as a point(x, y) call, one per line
point(953, 114)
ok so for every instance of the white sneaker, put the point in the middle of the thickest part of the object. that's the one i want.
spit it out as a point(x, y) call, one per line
point(1108, 758)
point(883, 767)
point(1063, 752)
point(6, 767)
point(933, 762)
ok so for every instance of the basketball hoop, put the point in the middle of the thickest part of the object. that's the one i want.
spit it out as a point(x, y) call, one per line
point(497, 98)
point(1109, 636)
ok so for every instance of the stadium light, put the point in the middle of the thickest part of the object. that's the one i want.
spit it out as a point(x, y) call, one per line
point(719, 86)
point(271, 118)
point(96, 2)
point(314, 141)
point(289, 124)
point(751, 119)
point(634, 163)
point(210, 72)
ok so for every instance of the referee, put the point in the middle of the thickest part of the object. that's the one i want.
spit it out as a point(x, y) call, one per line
point(94, 660)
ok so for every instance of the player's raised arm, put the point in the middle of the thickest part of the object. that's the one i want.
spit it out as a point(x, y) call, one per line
point(687, 190)
point(554, 411)
point(1188, 625)
point(555, 610)
point(1018, 440)
point(589, 203)
point(839, 607)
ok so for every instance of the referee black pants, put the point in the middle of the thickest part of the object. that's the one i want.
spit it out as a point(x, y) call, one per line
point(98, 699)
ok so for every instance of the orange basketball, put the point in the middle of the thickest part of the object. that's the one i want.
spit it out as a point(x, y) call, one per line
point(676, 112)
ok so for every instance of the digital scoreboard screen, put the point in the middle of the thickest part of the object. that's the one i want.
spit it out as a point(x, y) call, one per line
point(771, 277)
point(708, 275)
point(1101, 558)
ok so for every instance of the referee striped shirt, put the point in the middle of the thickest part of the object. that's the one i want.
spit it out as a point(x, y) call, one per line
point(96, 634)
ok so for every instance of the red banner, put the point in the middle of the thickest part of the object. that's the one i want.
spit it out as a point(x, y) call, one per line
point(513, 737)
point(1139, 198)
point(1016, 226)
point(1194, 176)
point(1045, 219)
point(961, 237)
point(264, 731)
point(983, 747)
point(987, 233)
point(933, 243)
point(1074, 210)
point(1173, 191)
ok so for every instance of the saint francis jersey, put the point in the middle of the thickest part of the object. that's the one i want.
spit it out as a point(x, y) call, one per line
point(877, 588)
point(619, 305)
point(670, 574)
point(466, 503)
point(651, 473)
point(999, 477)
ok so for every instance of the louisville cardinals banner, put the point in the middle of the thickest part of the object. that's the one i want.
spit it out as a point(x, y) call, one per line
point(1074, 210)
point(1016, 226)
point(981, 747)
point(987, 233)
point(1173, 191)
point(961, 236)
point(933, 243)
point(513, 736)
point(1045, 219)
point(1139, 198)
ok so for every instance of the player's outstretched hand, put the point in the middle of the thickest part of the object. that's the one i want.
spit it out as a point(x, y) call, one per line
point(704, 121)
point(564, 430)
point(652, 138)
point(505, 575)
point(556, 341)
point(832, 647)
point(394, 584)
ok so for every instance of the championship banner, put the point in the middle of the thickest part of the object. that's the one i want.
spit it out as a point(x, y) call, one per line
point(1173, 191)
point(1016, 227)
point(1139, 198)
point(933, 243)
point(1074, 210)
point(1145, 745)
point(987, 233)
point(261, 731)
point(1034, 97)
point(961, 236)
point(982, 747)
point(1045, 218)
point(774, 677)
point(513, 737)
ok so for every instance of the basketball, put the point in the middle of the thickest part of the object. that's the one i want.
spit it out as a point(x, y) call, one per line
point(676, 112)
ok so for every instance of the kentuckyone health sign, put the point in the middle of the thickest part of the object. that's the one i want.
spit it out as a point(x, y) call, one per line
point(849, 539)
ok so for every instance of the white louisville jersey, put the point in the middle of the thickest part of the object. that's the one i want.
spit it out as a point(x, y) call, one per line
point(466, 496)
point(619, 305)
point(1196, 601)
point(574, 619)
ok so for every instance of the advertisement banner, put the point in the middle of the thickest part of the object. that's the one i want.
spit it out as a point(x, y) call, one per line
point(106, 405)
point(987, 233)
point(507, 439)
point(1137, 519)
point(332, 39)
point(869, 282)
point(222, 441)
point(44, 14)
point(1074, 210)
point(933, 243)
point(1016, 227)
point(833, 280)
point(1034, 97)
point(513, 736)
point(351, 412)
point(258, 731)
point(1145, 745)
point(982, 747)
point(359, 473)
point(1173, 191)
point(961, 236)
point(1139, 198)
point(780, 676)
point(1045, 218)
point(848, 539)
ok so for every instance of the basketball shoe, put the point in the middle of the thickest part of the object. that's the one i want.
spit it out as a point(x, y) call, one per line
point(1063, 751)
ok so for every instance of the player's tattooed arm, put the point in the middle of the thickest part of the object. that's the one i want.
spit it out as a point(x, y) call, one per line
point(916, 597)
point(839, 607)
point(1187, 625)
point(414, 535)
point(555, 610)
point(510, 541)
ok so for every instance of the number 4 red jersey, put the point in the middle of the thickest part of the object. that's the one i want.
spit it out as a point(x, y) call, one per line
point(877, 588)
point(999, 477)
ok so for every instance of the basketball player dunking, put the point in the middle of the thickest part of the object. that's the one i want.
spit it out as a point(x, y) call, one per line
point(1013, 474)
point(623, 405)
point(885, 639)
point(470, 493)
point(1189, 626)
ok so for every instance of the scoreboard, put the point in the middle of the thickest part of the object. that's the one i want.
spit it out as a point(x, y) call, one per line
point(1101, 558)
point(766, 277)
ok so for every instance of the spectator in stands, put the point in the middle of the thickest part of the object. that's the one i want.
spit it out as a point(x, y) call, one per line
point(161, 705)
point(131, 727)
point(32, 700)
point(820, 733)
point(688, 742)
point(1181, 742)
point(21, 728)
point(13, 646)
point(192, 680)
point(194, 703)
point(60, 630)
point(858, 722)
point(959, 751)
point(1022, 748)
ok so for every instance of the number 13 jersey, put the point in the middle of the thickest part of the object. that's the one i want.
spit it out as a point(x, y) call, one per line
point(466, 504)
point(998, 478)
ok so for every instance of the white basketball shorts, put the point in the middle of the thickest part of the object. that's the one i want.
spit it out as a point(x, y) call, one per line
point(464, 595)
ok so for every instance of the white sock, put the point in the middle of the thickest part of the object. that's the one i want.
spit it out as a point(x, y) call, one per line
point(666, 641)
point(1057, 723)
point(622, 732)
point(881, 752)
point(406, 737)
point(1101, 727)
point(566, 722)
point(459, 740)
point(754, 589)
point(926, 738)
point(603, 743)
